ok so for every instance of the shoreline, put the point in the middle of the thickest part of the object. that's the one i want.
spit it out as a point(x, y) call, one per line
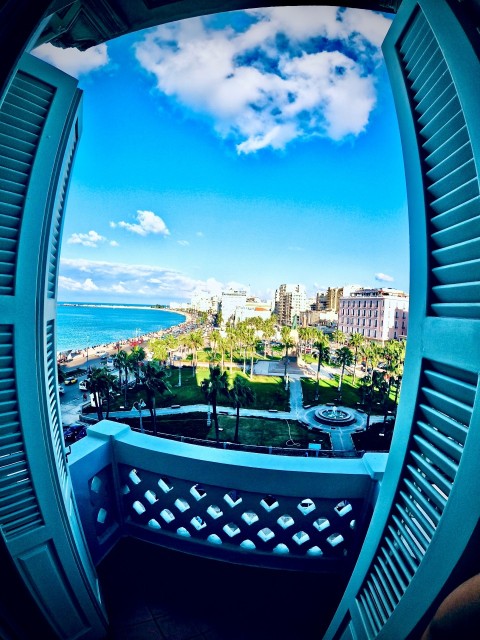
point(123, 345)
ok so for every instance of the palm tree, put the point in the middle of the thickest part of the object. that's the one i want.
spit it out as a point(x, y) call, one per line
point(232, 342)
point(135, 357)
point(338, 337)
point(322, 344)
point(215, 384)
point(345, 358)
point(242, 395)
point(196, 343)
point(356, 340)
point(215, 338)
point(287, 341)
point(250, 344)
point(268, 330)
point(100, 383)
point(303, 334)
point(154, 382)
point(121, 362)
point(222, 345)
point(159, 349)
point(171, 344)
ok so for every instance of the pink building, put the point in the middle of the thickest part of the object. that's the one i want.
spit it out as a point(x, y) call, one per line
point(378, 314)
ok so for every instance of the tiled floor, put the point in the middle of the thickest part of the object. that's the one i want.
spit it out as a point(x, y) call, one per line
point(155, 594)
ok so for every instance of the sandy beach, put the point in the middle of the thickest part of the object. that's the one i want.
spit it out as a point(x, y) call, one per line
point(127, 345)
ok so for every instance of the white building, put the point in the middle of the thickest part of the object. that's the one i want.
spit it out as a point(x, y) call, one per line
point(204, 301)
point(378, 314)
point(290, 301)
point(253, 308)
point(230, 300)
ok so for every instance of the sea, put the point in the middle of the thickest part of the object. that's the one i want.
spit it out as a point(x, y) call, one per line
point(82, 325)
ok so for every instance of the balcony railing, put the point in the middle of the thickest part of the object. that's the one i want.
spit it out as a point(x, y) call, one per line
point(308, 514)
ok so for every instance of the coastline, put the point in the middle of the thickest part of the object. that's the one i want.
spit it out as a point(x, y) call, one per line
point(112, 348)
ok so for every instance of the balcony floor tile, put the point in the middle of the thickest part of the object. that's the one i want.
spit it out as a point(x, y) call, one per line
point(152, 593)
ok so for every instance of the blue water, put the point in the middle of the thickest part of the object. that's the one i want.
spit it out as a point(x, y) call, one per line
point(82, 326)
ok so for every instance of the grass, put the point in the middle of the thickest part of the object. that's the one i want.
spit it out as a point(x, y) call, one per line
point(269, 391)
point(329, 391)
point(252, 431)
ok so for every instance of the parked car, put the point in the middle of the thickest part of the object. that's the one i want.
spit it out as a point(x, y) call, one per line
point(61, 389)
point(109, 363)
point(74, 432)
point(70, 380)
point(82, 385)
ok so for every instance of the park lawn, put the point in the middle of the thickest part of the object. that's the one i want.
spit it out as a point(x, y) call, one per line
point(252, 431)
point(329, 391)
point(269, 391)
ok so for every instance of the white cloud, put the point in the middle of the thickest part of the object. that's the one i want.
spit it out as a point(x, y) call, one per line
point(133, 280)
point(147, 222)
point(69, 284)
point(73, 61)
point(320, 82)
point(183, 243)
point(200, 234)
point(383, 277)
point(129, 279)
point(114, 243)
point(90, 239)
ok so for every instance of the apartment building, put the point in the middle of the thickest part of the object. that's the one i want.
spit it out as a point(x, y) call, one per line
point(290, 301)
point(378, 314)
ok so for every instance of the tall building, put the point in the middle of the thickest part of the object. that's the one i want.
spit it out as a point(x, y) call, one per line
point(334, 295)
point(229, 302)
point(290, 302)
point(204, 301)
point(379, 314)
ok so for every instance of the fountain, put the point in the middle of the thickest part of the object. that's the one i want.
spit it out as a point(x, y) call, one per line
point(334, 416)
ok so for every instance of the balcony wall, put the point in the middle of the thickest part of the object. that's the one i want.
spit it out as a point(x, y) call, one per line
point(307, 514)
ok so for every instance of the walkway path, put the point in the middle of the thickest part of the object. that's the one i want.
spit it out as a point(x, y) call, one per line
point(340, 436)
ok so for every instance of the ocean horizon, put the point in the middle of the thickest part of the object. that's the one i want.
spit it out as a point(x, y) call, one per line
point(90, 324)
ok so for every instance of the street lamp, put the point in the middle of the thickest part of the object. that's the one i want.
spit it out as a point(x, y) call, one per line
point(179, 375)
point(139, 405)
point(209, 420)
point(88, 343)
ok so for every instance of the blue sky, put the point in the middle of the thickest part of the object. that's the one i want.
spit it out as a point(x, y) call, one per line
point(251, 148)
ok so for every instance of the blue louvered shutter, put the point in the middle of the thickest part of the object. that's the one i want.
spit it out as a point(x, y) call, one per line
point(426, 513)
point(40, 125)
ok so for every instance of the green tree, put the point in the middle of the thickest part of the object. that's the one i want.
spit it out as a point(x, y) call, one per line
point(153, 378)
point(345, 358)
point(172, 344)
point(355, 341)
point(100, 383)
point(135, 357)
point(339, 337)
point(268, 331)
point(222, 345)
point(322, 344)
point(215, 337)
point(232, 343)
point(196, 343)
point(241, 395)
point(121, 362)
point(159, 349)
point(212, 387)
point(287, 342)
